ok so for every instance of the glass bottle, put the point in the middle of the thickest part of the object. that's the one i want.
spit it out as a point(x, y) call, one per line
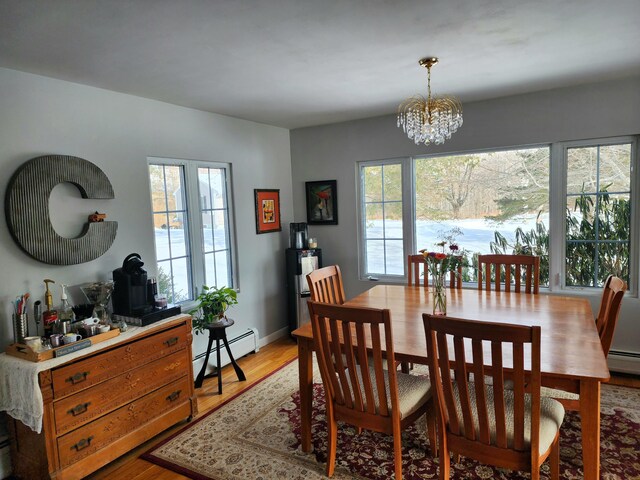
point(65, 312)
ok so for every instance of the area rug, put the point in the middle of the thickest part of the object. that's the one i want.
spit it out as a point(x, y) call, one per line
point(254, 436)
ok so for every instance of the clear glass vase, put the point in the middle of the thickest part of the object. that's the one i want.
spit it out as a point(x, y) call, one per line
point(439, 295)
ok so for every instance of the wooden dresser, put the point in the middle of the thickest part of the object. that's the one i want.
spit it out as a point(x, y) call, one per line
point(100, 406)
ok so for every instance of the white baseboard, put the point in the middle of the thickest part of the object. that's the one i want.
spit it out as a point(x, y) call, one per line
point(283, 332)
point(624, 362)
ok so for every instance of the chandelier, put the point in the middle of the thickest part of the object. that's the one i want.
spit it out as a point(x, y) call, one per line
point(430, 120)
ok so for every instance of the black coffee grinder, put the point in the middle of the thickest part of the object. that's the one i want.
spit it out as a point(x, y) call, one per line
point(130, 294)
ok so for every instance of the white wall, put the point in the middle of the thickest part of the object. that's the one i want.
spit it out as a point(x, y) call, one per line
point(117, 132)
point(331, 152)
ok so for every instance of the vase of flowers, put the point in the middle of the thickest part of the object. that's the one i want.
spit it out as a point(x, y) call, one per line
point(438, 264)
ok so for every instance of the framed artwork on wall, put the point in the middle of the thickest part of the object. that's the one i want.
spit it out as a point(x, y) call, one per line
point(267, 210)
point(322, 202)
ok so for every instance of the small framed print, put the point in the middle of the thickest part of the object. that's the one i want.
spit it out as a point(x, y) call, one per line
point(322, 202)
point(267, 210)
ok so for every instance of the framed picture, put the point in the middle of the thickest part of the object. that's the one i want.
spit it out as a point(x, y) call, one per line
point(322, 202)
point(267, 210)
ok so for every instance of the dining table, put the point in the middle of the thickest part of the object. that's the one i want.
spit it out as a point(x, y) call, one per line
point(571, 353)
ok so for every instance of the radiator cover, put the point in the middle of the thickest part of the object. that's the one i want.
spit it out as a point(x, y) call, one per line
point(240, 344)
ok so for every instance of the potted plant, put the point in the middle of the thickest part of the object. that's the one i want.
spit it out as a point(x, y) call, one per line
point(212, 304)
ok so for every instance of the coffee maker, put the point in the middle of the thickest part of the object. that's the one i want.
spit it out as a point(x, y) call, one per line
point(135, 298)
point(130, 295)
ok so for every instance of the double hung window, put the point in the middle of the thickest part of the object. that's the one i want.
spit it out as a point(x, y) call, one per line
point(192, 220)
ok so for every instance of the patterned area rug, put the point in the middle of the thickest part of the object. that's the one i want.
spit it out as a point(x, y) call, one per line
point(255, 436)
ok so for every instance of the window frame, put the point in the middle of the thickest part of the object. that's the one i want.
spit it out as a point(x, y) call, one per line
point(557, 204)
point(194, 225)
point(562, 163)
point(361, 218)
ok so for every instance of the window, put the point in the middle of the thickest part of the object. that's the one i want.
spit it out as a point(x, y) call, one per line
point(502, 202)
point(382, 207)
point(192, 226)
point(598, 213)
point(488, 202)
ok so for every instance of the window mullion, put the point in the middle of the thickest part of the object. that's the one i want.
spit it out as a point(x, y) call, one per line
point(194, 223)
point(557, 216)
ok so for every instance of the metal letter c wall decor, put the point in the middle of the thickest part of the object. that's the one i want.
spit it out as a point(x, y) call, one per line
point(27, 209)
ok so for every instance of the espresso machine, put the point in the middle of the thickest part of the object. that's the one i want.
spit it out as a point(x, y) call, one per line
point(301, 261)
point(134, 295)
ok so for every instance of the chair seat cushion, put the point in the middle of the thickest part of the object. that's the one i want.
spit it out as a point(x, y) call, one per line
point(553, 393)
point(551, 416)
point(413, 391)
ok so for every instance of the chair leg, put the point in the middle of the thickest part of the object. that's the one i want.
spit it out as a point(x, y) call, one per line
point(397, 450)
point(432, 434)
point(332, 440)
point(445, 463)
point(554, 458)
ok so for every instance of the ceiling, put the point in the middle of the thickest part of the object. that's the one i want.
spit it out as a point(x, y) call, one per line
point(297, 63)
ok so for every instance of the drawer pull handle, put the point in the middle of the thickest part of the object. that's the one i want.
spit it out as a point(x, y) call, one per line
point(78, 409)
point(77, 378)
point(171, 341)
point(82, 444)
point(174, 396)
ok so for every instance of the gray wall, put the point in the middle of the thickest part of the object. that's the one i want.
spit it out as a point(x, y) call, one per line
point(117, 132)
point(331, 152)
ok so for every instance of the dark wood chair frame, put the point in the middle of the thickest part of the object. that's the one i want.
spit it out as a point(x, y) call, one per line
point(446, 340)
point(347, 339)
point(531, 272)
point(325, 285)
point(414, 274)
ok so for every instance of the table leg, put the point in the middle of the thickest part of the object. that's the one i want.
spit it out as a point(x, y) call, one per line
point(200, 377)
point(590, 421)
point(305, 372)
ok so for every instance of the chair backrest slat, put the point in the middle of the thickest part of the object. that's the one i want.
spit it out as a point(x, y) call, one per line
point(518, 396)
point(497, 373)
point(325, 285)
point(477, 368)
point(530, 272)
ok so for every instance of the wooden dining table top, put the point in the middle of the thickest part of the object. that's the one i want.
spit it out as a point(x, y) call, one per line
point(570, 345)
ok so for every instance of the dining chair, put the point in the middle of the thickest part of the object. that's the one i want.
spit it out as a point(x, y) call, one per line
point(350, 343)
point(505, 427)
point(525, 267)
point(415, 271)
point(606, 321)
point(325, 285)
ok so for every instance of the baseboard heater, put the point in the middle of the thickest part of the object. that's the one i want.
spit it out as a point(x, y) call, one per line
point(240, 345)
point(624, 362)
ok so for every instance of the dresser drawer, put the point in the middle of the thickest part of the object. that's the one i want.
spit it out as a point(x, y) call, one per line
point(102, 366)
point(100, 433)
point(82, 407)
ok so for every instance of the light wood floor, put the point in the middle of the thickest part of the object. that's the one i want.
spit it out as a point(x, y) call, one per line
point(255, 367)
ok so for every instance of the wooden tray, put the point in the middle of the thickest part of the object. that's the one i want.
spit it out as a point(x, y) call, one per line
point(22, 351)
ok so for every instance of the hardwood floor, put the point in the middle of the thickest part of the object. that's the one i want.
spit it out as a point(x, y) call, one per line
point(255, 367)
